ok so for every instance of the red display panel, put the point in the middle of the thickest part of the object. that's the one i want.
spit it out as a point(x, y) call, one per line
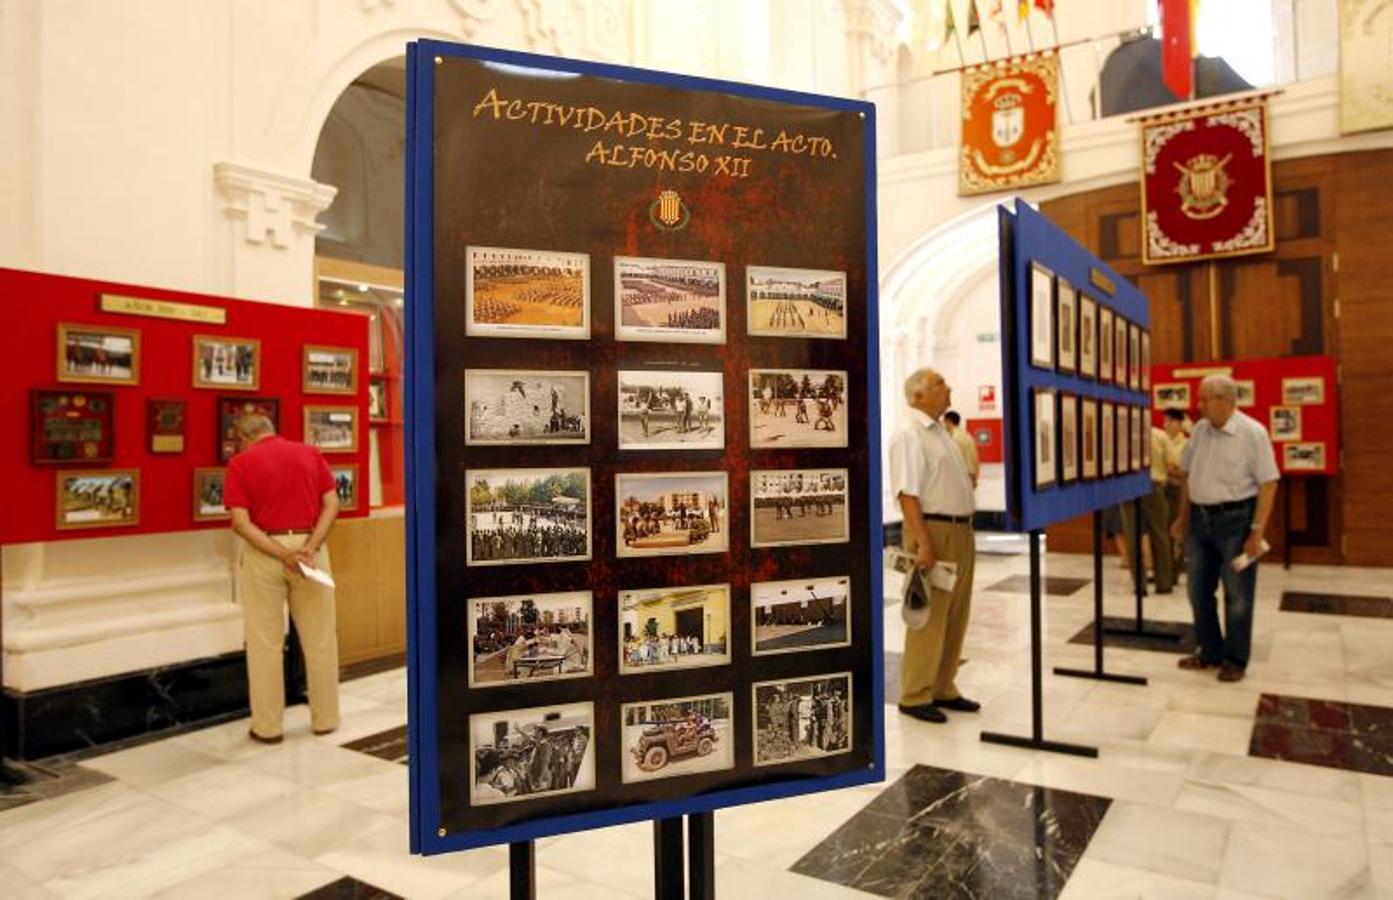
point(164, 372)
point(1295, 397)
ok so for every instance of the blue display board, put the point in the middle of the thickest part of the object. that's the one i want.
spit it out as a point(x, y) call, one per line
point(1032, 249)
point(575, 180)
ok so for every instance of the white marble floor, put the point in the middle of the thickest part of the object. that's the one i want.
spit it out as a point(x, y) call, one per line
point(211, 814)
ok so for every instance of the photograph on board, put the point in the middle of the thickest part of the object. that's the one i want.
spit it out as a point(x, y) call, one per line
point(800, 614)
point(518, 293)
point(674, 628)
point(521, 516)
point(671, 513)
point(806, 303)
point(797, 408)
point(524, 406)
point(521, 754)
point(673, 300)
point(528, 638)
point(671, 410)
point(680, 736)
point(801, 718)
point(798, 506)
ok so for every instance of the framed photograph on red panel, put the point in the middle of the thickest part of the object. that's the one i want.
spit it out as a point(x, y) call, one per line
point(97, 498)
point(208, 494)
point(99, 354)
point(73, 426)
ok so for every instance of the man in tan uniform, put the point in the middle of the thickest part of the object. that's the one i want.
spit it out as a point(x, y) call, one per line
point(1156, 518)
point(965, 443)
point(929, 478)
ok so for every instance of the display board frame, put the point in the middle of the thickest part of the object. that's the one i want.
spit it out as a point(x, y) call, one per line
point(426, 678)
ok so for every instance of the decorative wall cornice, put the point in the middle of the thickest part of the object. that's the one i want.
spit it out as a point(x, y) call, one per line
point(275, 208)
point(876, 23)
point(474, 13)
point(592, 30)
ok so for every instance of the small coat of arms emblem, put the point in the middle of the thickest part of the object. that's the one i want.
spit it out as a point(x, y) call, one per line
point(668, 212)
point(1204, 186)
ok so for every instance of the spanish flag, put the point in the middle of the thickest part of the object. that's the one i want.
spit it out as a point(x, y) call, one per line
point(1178, 45)
point(1023, 8)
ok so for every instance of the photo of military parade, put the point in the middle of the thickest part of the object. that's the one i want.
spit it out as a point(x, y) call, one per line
point(681, 736)
point(674, 628)
point(519, 516)
point(671, 513)
point(802, 718)
point(670, 410)
point(798, 506)
point(806, 303)
point(801, 614)
point(529, 638)
point(677, 300)
point(520, 754)
point(797, 408)
point(526, 407)
point(527, 293)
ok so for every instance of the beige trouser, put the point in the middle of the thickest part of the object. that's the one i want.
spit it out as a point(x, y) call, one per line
point(266, 588)
point(931, 653)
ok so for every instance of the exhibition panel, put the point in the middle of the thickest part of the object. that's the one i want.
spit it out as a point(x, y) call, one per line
point(644, 538)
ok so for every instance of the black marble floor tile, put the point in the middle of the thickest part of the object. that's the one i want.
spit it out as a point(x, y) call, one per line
point(1338, 604)
point(1329, 733)
point(939, 833)
point(347, 888)
point(1119, 631)
point(45, 782)
point(1053, 585)
point(389, 745)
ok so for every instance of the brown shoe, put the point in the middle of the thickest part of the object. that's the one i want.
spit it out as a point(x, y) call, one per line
point(321, 732)
point(265, 740)
point(1231, 672)
point(1195, 662)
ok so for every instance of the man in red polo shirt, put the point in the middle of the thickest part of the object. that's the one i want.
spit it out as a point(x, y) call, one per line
point(283, 502)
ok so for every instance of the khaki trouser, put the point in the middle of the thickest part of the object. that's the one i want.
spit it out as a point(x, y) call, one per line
point(1156, 522)
point(931, 653)
point(266, 588)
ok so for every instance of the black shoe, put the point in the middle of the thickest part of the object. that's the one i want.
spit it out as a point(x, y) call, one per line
point(924, 712)
point(959, 704)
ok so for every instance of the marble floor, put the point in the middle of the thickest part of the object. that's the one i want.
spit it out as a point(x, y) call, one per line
point(1196, 792)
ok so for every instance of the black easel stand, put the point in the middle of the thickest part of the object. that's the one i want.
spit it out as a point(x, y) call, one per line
point(1097, 672)
point(1139, 583)
point(522, 870)
point(1036, 741)
point(667, 859)
point(701, 856)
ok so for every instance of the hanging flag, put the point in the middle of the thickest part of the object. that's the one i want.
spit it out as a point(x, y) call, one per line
point(995, 14)
point(1010, 136)
point(1047, 6)
point(1022, 10)
point(1177, 47)
point(1206, 183)
point(974, 22)
point(950, 25)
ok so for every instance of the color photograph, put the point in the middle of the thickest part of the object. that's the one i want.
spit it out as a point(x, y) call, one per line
point(224, 362)
point(207, 495)
point(508, 406)
point(98, 354)
point(529, 638)
point(521, 754)
point(681, 736)
point(799, 506)
point(797, 408)
point(672, 513)
point(99, 498)
point(1041, 317)
point(1246, 394)
point(516, 293)
point(1308, 457)
point(674, 628)
point(802, 718)
point(1303, 391)
point(330, 370)
point(800, 614)
point(333, 429)
point(1171, 395)
point(346, 485)
point(671, 410)
point(521, 516)
point(806, 303)
point(674, 300)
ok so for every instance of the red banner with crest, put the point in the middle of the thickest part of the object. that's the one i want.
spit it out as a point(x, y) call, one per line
point(1010, 136)
point(1206, 183)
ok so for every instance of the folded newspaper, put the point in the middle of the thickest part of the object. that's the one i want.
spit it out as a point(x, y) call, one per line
point(918, 585)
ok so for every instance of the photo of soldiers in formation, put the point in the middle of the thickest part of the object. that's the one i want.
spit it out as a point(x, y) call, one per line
point(678, 513)
point(328, 370)
point(331, 428)
point(797, 408)
point(97, 355)
point(800, 615)
point(802, 718)
point(671, 410)
point(529, 638)
point(536, 290)
point(670, 299)
point(677, 737)
point(97, 498)
point(796, 302)
point(517, 407)
point(528, 515)
point(229, 363)
point(532, 752)
point(801, 506)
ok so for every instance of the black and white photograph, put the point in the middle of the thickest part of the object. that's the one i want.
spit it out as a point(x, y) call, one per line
point(1068, 438)
point(1297, 457)
point(672, 300)
point(1066, 324)
point(520, 754)
point(1046, 446)
point(1088, 430)
point(515, 293)
point(671, 410)
point(522, 516)
point(1088, 337)
point(672, 513)
point(1144, 436)
point(801, 718)
point(806, 303)
point(1107, 446)
point(333, 429)
point(524, 406)
point(1171, 395)
point(1124, 439)
point(529, 638)
point(207, 494)
point(377, 399)
point(797, 408)
point(1041, 317)
point(1134, 357)
point(1284, 423)
point(330, 370)
point(680, 627)
point(98, 354)
point(800, 614)
point(1106, 369)
point(1145, 361)
point(680, 736)
point(798, 506)
point(1138, 438)
point(226, 362)
point(1308, 391)
point(1122, 362)
point(1246, 393)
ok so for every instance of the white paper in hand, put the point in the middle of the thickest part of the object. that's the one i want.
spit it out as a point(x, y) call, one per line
point(318, 575)
point(944, 575)
point(1243, 560)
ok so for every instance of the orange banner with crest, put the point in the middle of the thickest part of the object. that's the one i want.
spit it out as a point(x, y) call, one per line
point(1010, 135)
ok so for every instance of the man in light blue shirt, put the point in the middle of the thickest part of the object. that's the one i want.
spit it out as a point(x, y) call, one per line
point(1226, 498)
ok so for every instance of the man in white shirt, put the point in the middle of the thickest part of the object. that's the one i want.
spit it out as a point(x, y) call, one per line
point(964, 442)
point(930, 481)
point(1225, 501)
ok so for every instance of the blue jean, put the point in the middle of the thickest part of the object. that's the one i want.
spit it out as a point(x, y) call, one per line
point(1213, 541)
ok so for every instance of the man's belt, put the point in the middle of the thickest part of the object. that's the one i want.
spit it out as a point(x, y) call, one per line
point(286, 531)
point(1212, 508)
point(956, 520)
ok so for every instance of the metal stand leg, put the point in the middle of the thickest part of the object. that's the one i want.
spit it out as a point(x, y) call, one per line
point(1139, 582)
point(701, 856)
point(522, 870)
point(667, 859)
point(1097, 672)
point(1037, 741)
point(1286, 529)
